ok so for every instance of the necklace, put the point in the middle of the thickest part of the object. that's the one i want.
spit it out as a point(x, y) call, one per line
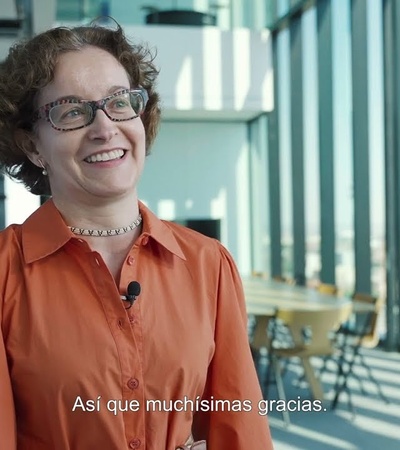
point(106, 233)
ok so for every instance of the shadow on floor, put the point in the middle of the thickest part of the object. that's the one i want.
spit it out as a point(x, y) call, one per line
point(374, 425)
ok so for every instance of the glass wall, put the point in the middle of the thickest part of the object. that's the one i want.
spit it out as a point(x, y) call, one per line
point(343, 143)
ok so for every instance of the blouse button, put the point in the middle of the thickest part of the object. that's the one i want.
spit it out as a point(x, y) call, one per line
point(131, 260)
point(133, 383)
point(135, 443)
point(145, 240)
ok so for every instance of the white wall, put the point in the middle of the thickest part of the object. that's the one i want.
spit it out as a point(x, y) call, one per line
point(201, 170)
point(8, 9)
point(5, 44)
point(43, 15)
point(210, 73)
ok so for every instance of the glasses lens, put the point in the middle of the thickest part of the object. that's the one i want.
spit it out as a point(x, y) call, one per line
point(125, 106)
point(70, 115)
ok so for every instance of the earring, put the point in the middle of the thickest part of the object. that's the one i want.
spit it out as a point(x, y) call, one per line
point(44, 171)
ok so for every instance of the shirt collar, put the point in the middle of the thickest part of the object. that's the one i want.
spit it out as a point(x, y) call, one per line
point(45, 232)
point(160, 231)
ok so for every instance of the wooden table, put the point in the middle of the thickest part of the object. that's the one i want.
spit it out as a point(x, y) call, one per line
point(264, 297)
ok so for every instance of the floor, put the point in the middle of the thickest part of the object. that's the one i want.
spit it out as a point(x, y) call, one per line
point(373, 425)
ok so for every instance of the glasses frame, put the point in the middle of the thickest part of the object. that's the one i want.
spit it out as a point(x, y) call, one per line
point(44, 111)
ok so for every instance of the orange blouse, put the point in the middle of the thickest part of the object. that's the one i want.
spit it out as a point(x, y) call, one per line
point(78, 371)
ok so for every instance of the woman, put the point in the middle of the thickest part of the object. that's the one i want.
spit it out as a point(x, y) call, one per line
point(86, 362)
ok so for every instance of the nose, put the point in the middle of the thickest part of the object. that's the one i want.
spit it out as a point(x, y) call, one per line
point(102, 128)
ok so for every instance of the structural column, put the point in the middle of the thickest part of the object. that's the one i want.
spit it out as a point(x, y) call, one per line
point(362, 229)
point(326, 140)
point(296, 108)
point(274, 169)
point(391, 27)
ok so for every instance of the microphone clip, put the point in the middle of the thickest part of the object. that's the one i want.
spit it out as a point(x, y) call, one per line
point(133, 292)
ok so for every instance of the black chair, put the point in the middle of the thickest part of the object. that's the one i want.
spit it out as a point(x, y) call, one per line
point(360, 331)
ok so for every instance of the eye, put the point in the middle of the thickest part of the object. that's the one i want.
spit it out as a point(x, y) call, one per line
point(119, 102)
point(72, 113)
point(68, 112)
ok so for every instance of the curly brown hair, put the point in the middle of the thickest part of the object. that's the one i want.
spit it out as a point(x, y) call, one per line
point(30, 66)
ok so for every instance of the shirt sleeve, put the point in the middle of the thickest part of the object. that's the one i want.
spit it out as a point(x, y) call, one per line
point(232, 375)
point(8, 428)
point(7, 412)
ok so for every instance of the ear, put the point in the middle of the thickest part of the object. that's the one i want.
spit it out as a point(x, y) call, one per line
point(26, 143)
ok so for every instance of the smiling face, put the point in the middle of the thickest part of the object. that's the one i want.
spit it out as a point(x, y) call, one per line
point(103, 160)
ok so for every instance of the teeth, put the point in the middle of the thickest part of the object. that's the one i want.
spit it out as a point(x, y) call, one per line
point(106, 156)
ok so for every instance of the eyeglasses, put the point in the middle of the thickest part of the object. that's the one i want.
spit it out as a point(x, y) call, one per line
point(72, 114)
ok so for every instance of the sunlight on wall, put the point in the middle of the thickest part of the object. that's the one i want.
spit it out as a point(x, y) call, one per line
point(241, 59)
point(166, 209)
point(184, 87)
point(20, 203)
point(219, 210)
point(212, 80)
point(243, 208)
point(206, 69)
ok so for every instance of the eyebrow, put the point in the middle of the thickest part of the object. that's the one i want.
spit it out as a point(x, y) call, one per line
point(112, 90)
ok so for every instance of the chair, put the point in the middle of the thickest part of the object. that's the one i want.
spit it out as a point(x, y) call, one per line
point(360, 331)
point(258, 324)
point(261, 275)
point(325, 289)
point(318, 341)
point(260, 338)
point(282, 279)
point(329, 289)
